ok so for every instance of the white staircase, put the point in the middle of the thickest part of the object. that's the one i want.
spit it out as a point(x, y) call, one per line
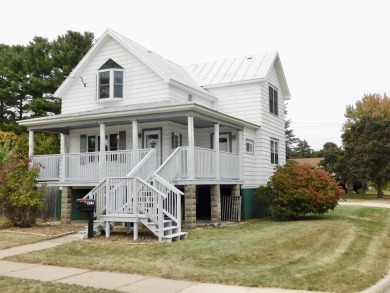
point(140, 197)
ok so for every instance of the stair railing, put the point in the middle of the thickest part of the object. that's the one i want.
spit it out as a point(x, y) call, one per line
point(171, 204)
point(99, 195)
point(145, 168)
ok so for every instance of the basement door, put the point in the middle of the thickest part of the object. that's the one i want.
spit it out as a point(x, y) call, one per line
point(152, 140)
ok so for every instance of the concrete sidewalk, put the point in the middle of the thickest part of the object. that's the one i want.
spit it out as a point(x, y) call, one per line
point(108, 280)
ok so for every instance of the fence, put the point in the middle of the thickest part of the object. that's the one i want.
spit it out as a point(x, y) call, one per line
point(231, 208)
point(50, 198)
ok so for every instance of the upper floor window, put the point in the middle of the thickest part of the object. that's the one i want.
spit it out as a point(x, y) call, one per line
point(273, 99)
point(274, 151)
point(110, 81)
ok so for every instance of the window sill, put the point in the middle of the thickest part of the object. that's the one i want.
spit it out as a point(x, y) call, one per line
point(108, 100)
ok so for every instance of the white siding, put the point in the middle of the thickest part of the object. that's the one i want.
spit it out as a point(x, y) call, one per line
point(251, 103)
point(141, 83)
point(181, 96)
point(239, 101)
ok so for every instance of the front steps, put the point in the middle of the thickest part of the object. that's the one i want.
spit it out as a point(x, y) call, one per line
point(107, 222)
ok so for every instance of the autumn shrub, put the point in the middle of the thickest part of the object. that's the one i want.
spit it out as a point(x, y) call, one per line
point(297, 190)
point(21, 200)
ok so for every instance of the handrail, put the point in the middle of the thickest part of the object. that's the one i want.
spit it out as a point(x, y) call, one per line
point(149, 161)
point(166, 161)
point(99, 195)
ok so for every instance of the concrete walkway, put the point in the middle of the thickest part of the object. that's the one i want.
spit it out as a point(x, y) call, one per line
point(130, 282)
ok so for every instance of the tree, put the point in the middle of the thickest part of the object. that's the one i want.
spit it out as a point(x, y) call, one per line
point(302, 149)
point(19, 196)
point(291, 140)
point(367, 149)
point(29, 76)
point(297, 190)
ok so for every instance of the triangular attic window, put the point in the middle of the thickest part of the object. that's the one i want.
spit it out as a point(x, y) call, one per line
point(110, 64)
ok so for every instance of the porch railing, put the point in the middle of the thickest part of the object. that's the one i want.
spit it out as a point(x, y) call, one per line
point(229, 166)
point(205, 160)
point(85, 166)
point(49, 166)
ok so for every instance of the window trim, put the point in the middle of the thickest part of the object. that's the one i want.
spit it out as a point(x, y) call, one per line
point(273, 104)
point(111, 85)
point(274, 150)
point(249, 142)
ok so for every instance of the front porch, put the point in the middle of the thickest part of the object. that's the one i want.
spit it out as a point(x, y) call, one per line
point(89, 168)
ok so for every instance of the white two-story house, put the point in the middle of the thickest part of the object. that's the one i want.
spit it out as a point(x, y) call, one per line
point(142, 135)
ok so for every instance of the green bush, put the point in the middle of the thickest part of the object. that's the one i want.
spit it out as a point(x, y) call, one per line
point(20, 198)
point(297, 190)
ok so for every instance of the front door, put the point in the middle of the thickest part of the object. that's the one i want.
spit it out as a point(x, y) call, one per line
point(152, 140)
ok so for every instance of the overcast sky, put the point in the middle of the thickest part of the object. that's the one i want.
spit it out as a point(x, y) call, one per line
point(332, 52)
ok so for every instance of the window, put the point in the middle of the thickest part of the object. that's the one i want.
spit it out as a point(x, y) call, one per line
point(113, 142)
point(249, 146)
point(176, 140)
point(273, 99)
point(274, 151)
point(110, 81)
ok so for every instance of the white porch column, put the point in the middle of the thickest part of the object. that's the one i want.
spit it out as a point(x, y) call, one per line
point(134, 125)
point(30, 143)
point(102, 154)
point(191, 148)
point(216, 149)
point(240, 152)
point(64, 151)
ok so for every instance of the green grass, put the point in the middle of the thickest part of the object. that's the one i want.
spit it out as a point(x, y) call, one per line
point(344, 251)
point(9, 239)
point(369, 197)
point(11, 285)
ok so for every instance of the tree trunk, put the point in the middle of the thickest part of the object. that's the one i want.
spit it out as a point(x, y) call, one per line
point(379, 183)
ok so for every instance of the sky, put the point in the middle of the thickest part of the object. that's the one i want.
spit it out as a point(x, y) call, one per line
point(332, 52)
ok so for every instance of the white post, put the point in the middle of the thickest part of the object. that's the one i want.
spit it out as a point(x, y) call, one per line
point(216, 148)
point(30, 143)
point(191, 148)
point(102, 154)
point(240, 152)
point(64, 151)
point(135, 143)
point(135, 207)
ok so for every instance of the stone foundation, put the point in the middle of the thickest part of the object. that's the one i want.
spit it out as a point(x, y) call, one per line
point(190, 207)
point(236, 190)
point(215, 192)
point(66, 205)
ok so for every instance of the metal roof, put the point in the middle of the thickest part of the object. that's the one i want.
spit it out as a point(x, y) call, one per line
point(168, 68)
point(233, 70)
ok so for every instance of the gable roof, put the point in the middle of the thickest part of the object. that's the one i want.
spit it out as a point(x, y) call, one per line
point(169, 71)
point(197, 77)
point(238, 70)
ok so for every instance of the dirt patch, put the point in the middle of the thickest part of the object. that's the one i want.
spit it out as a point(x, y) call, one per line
point(119, 236)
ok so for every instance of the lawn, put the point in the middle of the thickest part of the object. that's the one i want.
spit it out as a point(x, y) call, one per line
point(344, 251)
point(12, 285)
point(372, 197)
point(8, 240)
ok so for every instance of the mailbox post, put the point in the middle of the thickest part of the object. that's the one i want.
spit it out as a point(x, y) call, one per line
point(87, 206)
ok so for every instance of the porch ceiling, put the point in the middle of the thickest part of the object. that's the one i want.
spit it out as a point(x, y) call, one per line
point(203, 117)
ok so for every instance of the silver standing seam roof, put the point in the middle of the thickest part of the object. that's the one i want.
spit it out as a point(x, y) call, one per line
point(232, 70)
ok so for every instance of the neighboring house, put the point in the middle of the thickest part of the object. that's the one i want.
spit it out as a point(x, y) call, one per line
point(183, 137)
point(314, 162)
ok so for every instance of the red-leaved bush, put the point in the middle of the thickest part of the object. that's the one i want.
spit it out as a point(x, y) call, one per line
point(297, 190)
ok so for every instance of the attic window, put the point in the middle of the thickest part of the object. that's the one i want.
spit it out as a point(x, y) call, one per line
point(110, 81)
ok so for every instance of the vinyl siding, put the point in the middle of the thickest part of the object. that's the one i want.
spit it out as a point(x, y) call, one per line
point(239, 101)
point(141, 84)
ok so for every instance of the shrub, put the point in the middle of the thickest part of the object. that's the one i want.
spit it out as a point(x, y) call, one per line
point(297, 190)
point(19, 196)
